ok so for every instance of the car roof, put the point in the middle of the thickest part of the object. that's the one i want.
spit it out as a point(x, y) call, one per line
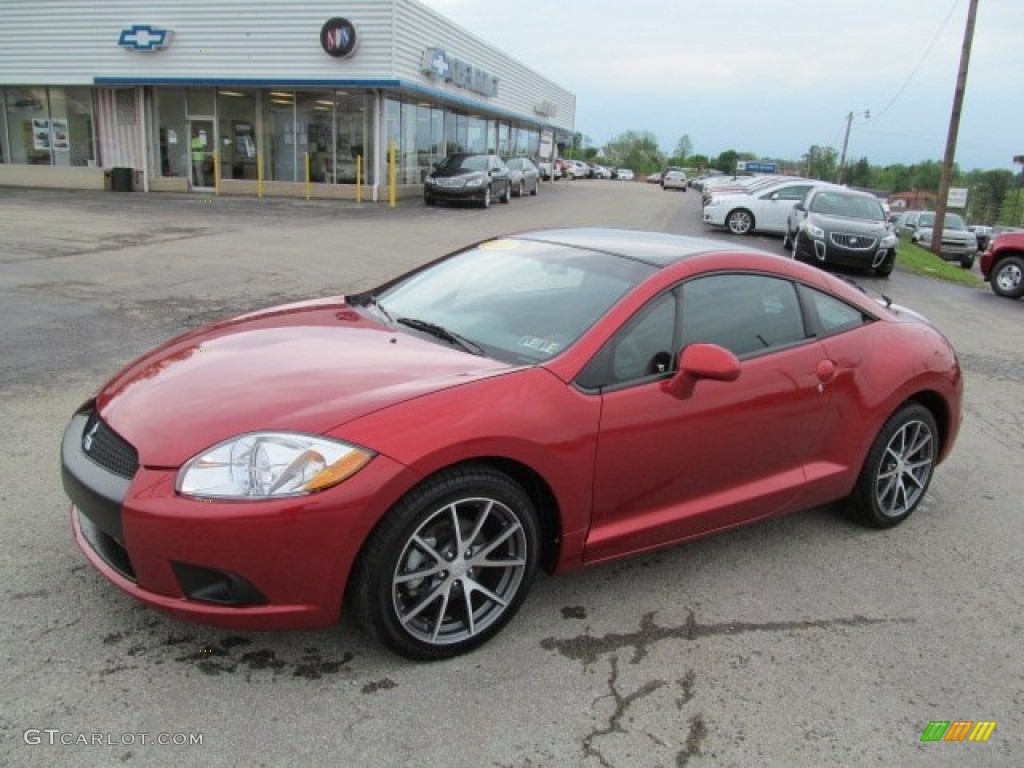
point(653, 248)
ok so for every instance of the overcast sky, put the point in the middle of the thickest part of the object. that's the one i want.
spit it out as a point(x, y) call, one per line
point(774, 77)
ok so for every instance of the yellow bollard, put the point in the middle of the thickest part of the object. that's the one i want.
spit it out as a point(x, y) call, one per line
point(305, 162)
point(359, 178)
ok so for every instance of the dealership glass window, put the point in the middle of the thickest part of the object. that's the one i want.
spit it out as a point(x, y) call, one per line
point(172, 132)
point(5, 151)
point(476, 137)
point(28, 126)
point(236, 114)
point(71, 126)
point(314, 129)
point(202, 102)
point(429, 138)
point(504, 145)
point(408, 160)
point(279, 135)
point(354, 137)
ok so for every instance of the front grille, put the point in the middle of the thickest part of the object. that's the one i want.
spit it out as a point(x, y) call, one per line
point(108, 449)
point(853, 242)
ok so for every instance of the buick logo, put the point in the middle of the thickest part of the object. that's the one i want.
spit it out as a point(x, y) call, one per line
point(87, 438)
point(338, 37)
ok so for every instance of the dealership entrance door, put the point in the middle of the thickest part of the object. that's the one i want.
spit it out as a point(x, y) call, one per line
point(202, 147)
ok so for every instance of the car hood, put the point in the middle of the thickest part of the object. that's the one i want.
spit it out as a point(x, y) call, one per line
point(845, 224)
point(454, 172)
point(307, 367)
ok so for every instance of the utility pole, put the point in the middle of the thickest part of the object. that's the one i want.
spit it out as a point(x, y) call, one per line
point(846, 141)
point(954, 129)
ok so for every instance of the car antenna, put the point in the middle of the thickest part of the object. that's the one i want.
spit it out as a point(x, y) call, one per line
point(888, 301)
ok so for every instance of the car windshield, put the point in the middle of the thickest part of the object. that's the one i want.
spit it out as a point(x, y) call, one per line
point(464, 163)
point(517, 300)
point(847, 206)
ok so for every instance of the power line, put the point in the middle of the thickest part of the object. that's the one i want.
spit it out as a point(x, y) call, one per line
point(924, 56)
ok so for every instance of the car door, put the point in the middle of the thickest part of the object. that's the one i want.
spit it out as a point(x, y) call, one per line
point(775, 206)
point(671, 468)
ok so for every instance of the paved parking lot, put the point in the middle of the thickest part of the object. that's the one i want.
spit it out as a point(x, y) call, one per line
point(804, 641)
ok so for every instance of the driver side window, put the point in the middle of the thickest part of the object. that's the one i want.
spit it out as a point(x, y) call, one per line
point(641, 349)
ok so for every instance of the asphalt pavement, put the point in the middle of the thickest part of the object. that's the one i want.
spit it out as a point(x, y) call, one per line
point(802, 641)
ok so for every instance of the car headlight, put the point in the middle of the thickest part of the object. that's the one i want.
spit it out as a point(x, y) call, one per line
point(815, 232)
point(264, 465)
point(475, 181)
point(889, 241)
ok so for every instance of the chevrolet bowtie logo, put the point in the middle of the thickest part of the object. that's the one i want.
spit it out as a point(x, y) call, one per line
point(143, 37)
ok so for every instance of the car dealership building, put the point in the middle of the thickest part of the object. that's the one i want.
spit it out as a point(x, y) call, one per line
point(304, 97)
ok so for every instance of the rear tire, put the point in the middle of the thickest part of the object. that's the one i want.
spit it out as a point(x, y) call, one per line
point(898, 468)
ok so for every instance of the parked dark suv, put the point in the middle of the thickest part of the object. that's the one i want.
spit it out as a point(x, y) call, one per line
point(468, 178)
point(838, 226)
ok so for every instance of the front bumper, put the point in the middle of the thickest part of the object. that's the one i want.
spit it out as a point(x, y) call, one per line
point(827, 252)
point(277, 564)
point(465, 194)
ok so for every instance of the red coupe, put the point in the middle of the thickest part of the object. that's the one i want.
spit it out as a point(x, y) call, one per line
point(550, 399)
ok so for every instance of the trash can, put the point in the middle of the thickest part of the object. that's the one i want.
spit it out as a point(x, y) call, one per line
point(121, 179)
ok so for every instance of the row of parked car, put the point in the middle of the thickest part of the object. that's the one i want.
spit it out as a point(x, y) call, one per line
point(577, 169)
point(481, 179)
point(827, 224)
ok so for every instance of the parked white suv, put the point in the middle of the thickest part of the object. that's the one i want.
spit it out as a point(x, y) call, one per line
point(674, 180)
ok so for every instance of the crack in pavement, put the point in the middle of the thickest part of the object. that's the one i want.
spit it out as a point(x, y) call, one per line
point(587, 648)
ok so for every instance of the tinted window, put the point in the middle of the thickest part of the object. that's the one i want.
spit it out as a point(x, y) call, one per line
point(746, 314)
point(642, 348)
point(835, 316)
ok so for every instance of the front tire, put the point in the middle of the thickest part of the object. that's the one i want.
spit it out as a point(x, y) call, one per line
point(898, 468)
point(507, 194)
point(486, 201)
point(449, 565)
point(740, 221)
point(1008, 277)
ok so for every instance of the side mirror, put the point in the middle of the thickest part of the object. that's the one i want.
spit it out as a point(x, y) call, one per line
point(701, 361)
point(799, 207)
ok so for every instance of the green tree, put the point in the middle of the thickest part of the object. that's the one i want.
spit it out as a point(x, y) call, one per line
point(820, 162)
point(700, 162)
point(637, 150)
point(1011, 213)
point(684, 148)
point(861, 174)
point(726, 161)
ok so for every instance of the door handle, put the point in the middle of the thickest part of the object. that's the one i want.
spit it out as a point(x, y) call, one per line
point(825, 371)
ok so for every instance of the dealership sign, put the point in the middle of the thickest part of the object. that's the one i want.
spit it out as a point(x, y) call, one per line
point(338, 37)
point(143, 37)
point(957, 197)
point(442, 66)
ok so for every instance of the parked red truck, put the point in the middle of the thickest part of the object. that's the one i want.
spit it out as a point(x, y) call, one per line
point(1002, 265)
